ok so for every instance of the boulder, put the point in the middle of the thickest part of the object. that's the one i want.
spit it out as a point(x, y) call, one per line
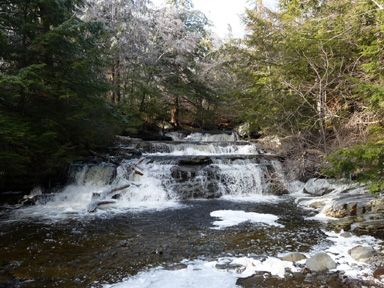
point(318, 187)
point(293, 257)
point(372, 227)
point(295, 186)
point(320, 262)
point(243, 130)
point(343, 223)
point(346, 235)
point(352, 205)
point(277, 189)
point(359, 253)
point(37, 199)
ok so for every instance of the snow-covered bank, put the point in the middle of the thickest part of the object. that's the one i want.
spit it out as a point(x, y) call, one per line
point(348, 207)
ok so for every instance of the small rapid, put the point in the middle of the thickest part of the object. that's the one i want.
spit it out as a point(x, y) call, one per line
point(183, 170)
point(190, 212)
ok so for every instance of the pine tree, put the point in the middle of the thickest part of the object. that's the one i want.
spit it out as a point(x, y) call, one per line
point(49, 85)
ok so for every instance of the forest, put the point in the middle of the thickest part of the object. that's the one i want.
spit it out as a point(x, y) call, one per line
point(75, 73)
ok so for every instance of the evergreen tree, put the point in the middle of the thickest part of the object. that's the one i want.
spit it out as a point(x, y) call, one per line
point(49, 85)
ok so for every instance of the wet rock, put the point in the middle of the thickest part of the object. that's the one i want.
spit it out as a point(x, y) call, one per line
point(359, 253)
point(297, 280)
point(255, 280)
point(372, 227)
point(148, 135)
point(295, 186)
point(222, 266)
point(379, 273)
point(183, 173)
point(320, 262)
point(354, 205)
point(37, 199)
point(196, 160)
point(343, 224)
point(194, 190)
point(175, 267)
point(313, 202)
point(376, 217)
point(318, 187)
point(346, 235)
point(293, 257)
point(277, 189)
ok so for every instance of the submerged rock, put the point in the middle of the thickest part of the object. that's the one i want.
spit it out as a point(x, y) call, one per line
point(293, 257)
point(320, 262)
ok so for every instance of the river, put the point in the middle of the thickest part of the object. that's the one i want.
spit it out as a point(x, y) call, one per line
point(202, 203)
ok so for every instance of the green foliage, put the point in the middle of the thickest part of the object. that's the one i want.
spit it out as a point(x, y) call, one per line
point(51, 82)
point(14, 138)
point(315, 68)
point(366, 161)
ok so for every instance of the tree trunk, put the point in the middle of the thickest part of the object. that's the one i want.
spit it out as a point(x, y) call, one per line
point(116, 96)
point(175, 112)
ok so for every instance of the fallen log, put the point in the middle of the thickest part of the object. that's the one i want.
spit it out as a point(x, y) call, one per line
point(101, 197)
point(138, 163)
point(133, 167)
point(105, 158)
point(118, 189)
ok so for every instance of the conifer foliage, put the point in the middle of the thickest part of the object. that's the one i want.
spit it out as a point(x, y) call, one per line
point(50, 109)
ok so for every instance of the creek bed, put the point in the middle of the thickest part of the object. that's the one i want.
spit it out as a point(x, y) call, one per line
point(107, 247)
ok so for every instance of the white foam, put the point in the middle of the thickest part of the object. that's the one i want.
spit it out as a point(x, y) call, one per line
point(253, 198)
point(273, 265)
point(339, 252)
point(206, 150)
point(196, 275)
point(203, 137)
point(74, 200)
point(231, 218)
point(204, 274)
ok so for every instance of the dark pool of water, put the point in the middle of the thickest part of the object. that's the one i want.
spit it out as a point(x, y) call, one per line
point(76, 253)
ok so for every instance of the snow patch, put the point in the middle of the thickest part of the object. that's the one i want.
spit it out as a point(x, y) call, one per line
point(231, 218)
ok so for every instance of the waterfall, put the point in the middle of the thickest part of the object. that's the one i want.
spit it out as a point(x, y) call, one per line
point(203, 137)
point(195, 166)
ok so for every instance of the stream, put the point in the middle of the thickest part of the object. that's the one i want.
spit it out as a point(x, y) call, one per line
point(202, 202)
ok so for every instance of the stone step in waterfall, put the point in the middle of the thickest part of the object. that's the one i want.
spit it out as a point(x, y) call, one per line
point(193, 167)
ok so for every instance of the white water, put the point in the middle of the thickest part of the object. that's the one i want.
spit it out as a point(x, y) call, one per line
point(204, 274)
point(203, 137)
point(201, 273)
point(203, 149)
point(230, 218)
point(241, 179)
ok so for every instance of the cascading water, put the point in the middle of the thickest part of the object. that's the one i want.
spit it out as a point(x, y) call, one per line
point(193, 167)
point(111, 224)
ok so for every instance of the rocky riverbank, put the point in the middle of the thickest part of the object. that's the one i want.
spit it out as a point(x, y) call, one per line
point(349, 212)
